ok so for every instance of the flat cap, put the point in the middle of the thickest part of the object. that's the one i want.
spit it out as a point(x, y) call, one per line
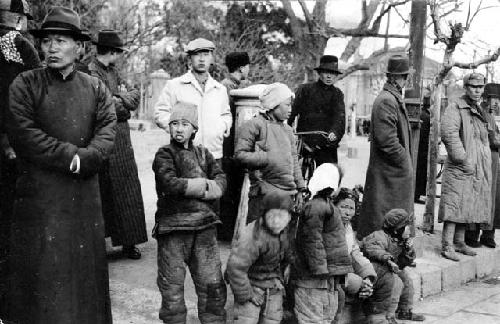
point(199, 44)
point(474, 79)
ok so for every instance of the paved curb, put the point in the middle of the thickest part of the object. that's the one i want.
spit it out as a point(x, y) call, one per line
point(434, 274)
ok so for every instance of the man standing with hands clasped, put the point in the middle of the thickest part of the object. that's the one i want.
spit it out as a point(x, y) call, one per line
point(61, 123)
point(320, 107)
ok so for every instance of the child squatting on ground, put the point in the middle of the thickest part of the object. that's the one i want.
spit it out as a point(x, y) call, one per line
point(390, 251)
point(257, 262)
point(322, 257)
point(188, 182)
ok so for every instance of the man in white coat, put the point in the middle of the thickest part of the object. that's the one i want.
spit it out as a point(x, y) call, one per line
point(199, 88)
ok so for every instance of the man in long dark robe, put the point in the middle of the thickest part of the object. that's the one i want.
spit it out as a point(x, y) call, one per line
point(123, 208)
point(61, 125)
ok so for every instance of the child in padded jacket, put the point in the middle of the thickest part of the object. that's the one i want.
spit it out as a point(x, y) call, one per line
point(322, 258)
point(257, 261)
point(188, 182)
point(390, 251)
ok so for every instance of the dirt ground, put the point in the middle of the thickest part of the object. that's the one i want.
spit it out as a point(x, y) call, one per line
point(135, 296)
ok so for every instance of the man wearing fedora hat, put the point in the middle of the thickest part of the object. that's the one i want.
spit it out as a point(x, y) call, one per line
point(320, 107)
point(61, 124)
point(389, 180)
point(389, 177)
point(17, 54)
point(490, 106)
point(123, 207)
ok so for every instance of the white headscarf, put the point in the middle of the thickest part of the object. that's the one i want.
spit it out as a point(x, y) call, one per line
point(325, 176)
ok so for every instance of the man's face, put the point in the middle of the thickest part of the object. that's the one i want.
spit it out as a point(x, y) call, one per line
point(283, 110)
point(495, 105)
point(181, 130)
point(327, 77)
point(474, 91)
point(244, 71)
point(201, 61)
point(114, 57)
point(401, 80)
point(60, 50)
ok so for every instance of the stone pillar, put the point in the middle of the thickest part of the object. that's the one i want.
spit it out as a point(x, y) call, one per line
point(158, 80)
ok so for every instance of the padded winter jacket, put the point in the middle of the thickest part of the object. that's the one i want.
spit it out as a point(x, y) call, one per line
point(321, 248)
point(181, 205)
point(258, 259)
point(269, 149)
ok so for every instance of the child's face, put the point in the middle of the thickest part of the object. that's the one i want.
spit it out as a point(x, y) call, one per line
point(283, 110)
point(181, 130)
point(347, 209)
point(276, 220)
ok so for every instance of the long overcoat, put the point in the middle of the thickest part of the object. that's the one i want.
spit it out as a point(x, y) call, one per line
point(467, 177)
point(389, 178)
point(58, 254)
point(122, 204)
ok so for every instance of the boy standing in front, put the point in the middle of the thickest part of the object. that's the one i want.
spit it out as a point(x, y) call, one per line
point(188, 182)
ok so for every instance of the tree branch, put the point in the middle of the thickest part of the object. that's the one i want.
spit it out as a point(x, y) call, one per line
point(353, 68)
point(474, 65)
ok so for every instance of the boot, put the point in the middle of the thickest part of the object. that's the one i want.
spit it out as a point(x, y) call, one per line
point(488, 239)
point(447, 242)
point(410, 316)
point(461, 247)
point(449, 253)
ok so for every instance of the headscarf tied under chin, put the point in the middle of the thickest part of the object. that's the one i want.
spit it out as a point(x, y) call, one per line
point(325, 176)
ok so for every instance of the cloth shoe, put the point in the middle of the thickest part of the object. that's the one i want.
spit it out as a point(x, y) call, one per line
point(391, 319)
point(464, 249)
point(131, 252)
point(449, 253)
point(410, 316)
point(488, 242)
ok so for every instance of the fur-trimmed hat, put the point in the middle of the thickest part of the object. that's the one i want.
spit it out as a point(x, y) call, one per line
point(236, 60)
point(396, 219)
point(185, 111)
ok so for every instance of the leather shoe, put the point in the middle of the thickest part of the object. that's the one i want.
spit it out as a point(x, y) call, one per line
point(131, 252)
point(488, 242)
point(410, 316)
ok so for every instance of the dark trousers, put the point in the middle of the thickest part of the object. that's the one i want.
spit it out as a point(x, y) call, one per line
point(325, 155)
point(199, 251)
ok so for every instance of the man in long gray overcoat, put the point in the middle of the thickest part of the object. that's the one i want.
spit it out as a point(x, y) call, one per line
point(389, 178)
point(466, 188)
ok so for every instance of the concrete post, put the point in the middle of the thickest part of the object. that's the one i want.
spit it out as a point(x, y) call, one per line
point(158, 80)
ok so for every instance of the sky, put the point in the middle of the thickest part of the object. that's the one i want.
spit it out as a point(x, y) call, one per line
point(483, 35)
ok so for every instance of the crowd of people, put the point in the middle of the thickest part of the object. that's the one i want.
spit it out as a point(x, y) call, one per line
point(69, 179)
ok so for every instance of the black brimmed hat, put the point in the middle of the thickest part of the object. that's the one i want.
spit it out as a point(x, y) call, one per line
point(398, 64)
point(16, 6)
point(61, 20)
point(329, 63)
point(111, 39)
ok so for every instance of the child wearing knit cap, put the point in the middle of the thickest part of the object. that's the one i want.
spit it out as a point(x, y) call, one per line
point(267, 147)
point(257, 260)
point(188, 182)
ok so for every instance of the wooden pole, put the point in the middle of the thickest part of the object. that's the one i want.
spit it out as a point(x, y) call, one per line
point(434, 134)
point(418, 24)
